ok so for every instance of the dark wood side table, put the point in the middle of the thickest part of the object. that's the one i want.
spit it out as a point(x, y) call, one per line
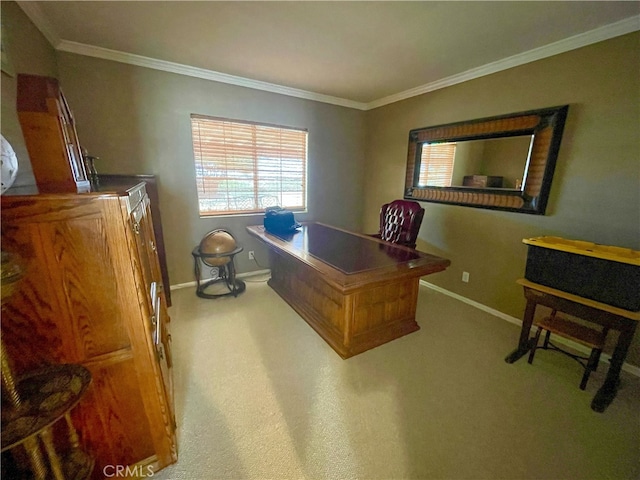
point(600, 313)
point(40, 399)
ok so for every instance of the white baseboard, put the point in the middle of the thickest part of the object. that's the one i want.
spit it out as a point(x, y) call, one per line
point(632, 369)
point(239, 275)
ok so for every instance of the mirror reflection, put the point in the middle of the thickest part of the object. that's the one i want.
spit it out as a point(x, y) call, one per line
point(504, 162)
point(486, 163)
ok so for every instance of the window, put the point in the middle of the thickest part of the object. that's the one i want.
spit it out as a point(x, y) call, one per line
point(244, 167)
point(436, 164)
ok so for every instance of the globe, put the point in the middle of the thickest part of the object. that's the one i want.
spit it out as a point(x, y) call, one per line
point(217, 242)
point(9, 166)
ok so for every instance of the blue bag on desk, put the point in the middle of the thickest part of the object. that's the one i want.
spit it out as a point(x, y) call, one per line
point(279, 220)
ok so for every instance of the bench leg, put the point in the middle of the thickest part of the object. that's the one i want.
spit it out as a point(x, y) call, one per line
point(591, 366)
point(535, 344)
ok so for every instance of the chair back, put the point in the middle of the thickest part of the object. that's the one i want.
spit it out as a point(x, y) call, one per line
point(400, 222)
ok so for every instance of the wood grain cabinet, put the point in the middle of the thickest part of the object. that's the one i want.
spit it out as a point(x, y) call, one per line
point(109, 182)
point(50, 135)
point(93, 295)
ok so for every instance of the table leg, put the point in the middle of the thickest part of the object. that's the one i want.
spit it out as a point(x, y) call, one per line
point(236, 286)
point(525, 343)
point(196, 270)
point(38, 466)
point(609, 388)
point(54, 459)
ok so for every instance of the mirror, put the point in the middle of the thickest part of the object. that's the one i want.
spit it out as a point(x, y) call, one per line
point(503, 163)
point(488, 163)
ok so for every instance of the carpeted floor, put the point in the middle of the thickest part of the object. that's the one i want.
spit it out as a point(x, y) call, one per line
point(259, 395)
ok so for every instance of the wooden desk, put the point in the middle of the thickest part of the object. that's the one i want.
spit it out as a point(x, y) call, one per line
point(356, 292)
point(600, 313)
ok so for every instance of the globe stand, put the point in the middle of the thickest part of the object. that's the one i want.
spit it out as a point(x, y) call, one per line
point(216, 250)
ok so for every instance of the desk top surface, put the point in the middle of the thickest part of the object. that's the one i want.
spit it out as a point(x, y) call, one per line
point(345, 251)
point(348, 252)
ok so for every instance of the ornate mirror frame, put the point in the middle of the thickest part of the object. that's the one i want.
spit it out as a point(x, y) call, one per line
point(546, 126)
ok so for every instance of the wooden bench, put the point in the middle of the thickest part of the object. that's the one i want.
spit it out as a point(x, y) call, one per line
point(589, 337)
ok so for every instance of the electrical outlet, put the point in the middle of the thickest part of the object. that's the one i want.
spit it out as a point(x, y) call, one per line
point(251, 255)
point(465, 277)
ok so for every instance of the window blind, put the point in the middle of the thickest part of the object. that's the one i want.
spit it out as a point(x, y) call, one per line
point(244, 167)
point(436, 164)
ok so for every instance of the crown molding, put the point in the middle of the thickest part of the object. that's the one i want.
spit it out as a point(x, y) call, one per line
point(612, 30)
point(141, 61)
point(32, 10)
point(606, 32)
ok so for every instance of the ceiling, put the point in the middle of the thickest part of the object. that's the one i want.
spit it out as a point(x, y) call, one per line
point(358, 54)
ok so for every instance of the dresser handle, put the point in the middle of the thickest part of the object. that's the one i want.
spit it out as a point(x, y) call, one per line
point(158, 332)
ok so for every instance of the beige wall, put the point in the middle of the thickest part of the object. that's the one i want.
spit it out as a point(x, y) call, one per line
point(506, 157)
point(28, 52)
point(595, 193)
point(137, 120)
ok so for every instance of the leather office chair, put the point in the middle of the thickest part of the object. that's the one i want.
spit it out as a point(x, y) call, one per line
point(400, 222)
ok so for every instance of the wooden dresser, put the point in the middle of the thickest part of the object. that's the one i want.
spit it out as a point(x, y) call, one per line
point(109, 182)
point(93, 295)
